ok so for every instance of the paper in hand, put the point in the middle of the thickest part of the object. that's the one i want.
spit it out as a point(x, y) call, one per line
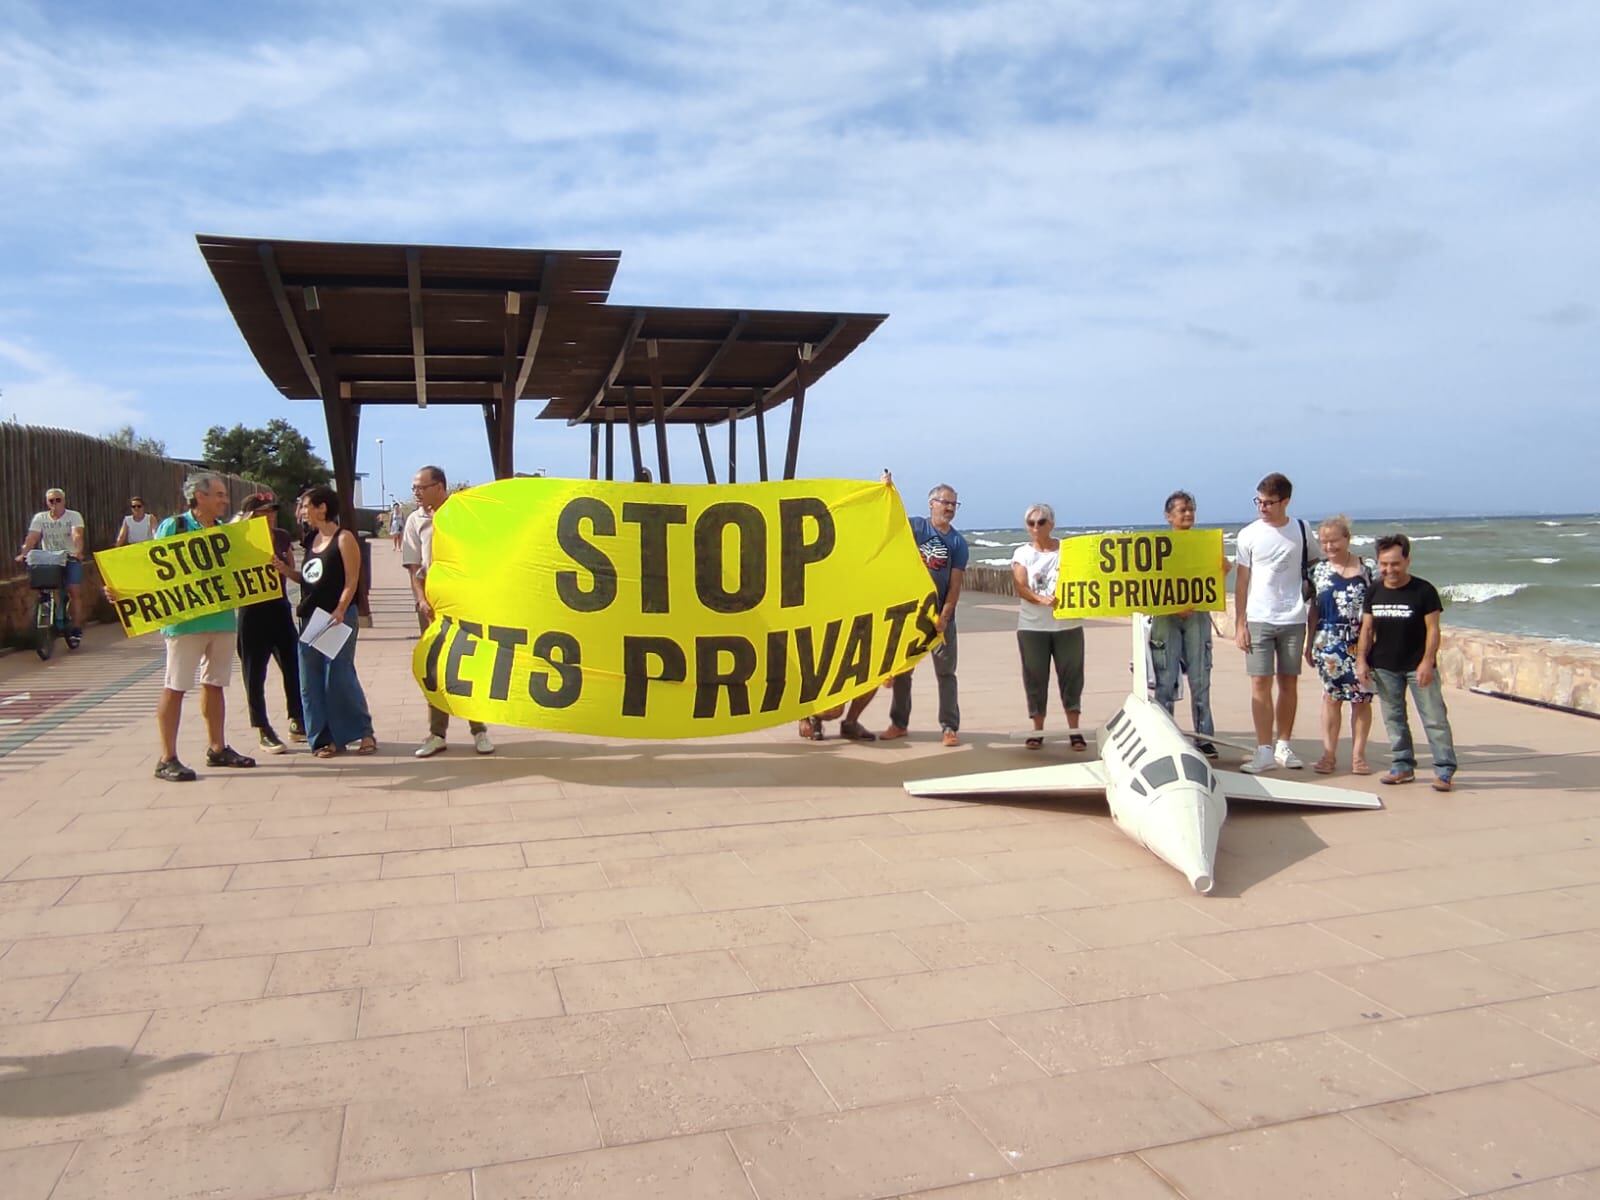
point(323, 634)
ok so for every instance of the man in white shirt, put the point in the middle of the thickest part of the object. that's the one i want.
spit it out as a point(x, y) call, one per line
point(416, 554)
point(1270, 617)
point(60, 529)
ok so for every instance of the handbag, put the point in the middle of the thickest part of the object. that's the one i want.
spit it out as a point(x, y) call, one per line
point(1308, 588)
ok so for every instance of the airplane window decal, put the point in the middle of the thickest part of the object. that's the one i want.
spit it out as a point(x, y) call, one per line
point(1196, 771)
point(1161, 772)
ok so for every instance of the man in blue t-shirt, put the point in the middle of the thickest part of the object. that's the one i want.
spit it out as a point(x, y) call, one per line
point(944, 553)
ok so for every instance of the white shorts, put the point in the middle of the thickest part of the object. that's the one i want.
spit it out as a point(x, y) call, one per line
point(210, 655)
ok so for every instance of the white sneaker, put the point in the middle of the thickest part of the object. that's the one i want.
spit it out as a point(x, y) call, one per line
point(1286, 756)
point(433, 745)
point(1262, 760)
point(481, 743)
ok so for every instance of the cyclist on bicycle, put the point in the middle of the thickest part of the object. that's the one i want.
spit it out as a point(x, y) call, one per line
point(60, 529)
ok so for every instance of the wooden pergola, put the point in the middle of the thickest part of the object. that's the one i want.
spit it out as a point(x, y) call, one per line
point(355, 324)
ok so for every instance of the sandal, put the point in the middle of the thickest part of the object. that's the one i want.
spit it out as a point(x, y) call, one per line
point(1324, 765)
point(1034, 743)
point(1360, 766)
point(326, 750)
point(810, 730)
point(1078, 743)
point(855, 732)
point(369, 745)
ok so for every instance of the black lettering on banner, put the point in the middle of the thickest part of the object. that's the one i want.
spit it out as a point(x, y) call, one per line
point(814, 666)
point(586, 554)
point(461, 646)
point(896, 616)
point(245, 581)
point(565, 656)
point(1211, 590)
point(506, 640)
point(853, 662)
point(751, 557)
point(925, 626)
point(653, 519)
point(710, 678)
point(158, 559)
point(795, 553)
point(637, 653)
point(1163, 551)
point(220, 545)
point(1108, 558)
point(1113, 592)
point(127, 608)
point(777, 669)
point(200, 555)
point(193, 597)
point(430, 665)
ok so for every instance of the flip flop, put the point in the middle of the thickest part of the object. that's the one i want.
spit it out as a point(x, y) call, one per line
point(1034, 743)
point(1078, 743)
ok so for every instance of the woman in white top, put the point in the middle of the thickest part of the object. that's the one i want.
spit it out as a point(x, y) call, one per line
point(1041, 638)
point(137, 525)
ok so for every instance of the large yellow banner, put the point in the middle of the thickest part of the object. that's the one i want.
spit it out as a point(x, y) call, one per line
point(1117, 574)
point(173, 579)
point(661, 611)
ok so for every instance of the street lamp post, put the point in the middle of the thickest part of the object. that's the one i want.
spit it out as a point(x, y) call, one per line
point(383, 488)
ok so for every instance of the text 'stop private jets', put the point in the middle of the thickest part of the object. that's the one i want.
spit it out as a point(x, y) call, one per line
point(1162, 792)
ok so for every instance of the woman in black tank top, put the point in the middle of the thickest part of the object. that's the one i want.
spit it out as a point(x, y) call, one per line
point(335, 705)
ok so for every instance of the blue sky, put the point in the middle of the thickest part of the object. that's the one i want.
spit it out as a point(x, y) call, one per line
point(1125, 246)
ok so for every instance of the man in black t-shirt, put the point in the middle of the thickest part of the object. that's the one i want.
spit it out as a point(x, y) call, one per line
point(1398, 650)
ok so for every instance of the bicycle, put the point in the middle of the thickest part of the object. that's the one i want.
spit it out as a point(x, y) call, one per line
point(52, 615)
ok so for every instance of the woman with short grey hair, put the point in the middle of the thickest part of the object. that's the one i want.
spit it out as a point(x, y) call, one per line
point(1042, 638)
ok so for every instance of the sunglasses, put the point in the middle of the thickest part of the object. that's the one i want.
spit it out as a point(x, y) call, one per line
point(1036, 524)
point(135, 504)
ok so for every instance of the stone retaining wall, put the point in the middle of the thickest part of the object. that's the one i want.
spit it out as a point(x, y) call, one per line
point(1540, 670)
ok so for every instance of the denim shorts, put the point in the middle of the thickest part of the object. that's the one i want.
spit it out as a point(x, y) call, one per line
point(1275, 649)
point(74, 572)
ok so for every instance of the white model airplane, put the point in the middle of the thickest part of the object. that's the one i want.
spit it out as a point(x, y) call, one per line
point(1163, 794)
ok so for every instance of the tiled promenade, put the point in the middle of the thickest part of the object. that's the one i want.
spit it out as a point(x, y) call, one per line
point(756, 968)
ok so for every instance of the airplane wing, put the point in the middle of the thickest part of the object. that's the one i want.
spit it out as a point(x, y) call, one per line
point(1063, 777)
point(1237, 786)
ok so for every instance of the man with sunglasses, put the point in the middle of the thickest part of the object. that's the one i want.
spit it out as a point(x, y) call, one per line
point(60, 529)
point(1270, 618)
point(944, 553)
point(136, 526)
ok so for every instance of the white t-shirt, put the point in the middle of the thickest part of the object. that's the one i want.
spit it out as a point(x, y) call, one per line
point(138, 531)
point(416, 541)
point(1273, 555)
point(1042, 567)
point(55, 533)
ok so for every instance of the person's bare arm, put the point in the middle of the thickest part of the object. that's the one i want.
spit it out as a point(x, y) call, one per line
point(350, 554)
point(1313, 617)
point(1241, 594)
point(31, 542)
point(1363, 648)
point(418, 592)
point(1430, 650)
point(122, 533)
point(1019, 580)
point(77, 541)
point(948, 612)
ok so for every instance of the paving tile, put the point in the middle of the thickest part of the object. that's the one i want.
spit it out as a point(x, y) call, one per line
point(1139, 921)
point(397, 964)
point(457, 1004)
point(1435, 982)
point(62, 920)
point(1563, 961)
point(682, 869)
point(290, 1078)
point(31, 999)
point(34, 893)
point(298, 873)
point(144, 1094)
point(452, 1185)
point(1328, 1158)
point(1579, 1088)
point(233, 1027)
point(415, 923)
point(1085, 976)
point(448, 862)
point(1409, 931)
point(767, 1020)
point(1110, 1033)
point(643, 1103)
point(282, 935)
point(1452, 1050)
point(1562, 1187)
point(59, 1047)
point(245, 850)
point(539, 949)
point(92, 862)
point(1277, 950)
point(889, 1067)
point(394, 1139)
point(958, 994)
point(1279, 904)
point(588, 987)
point(866, 1152)
point(236, 1160)
point(1086, 1115)
point(31, 1173)
point(207, 908)
point(1285, 1080)
point(131, 989)
point(1495, 1136)
point(826, 960)
point(687, 932)
point(1569, 1017)
point(762, 891)
point(684, 1168)
point(983, 901)
point(1125, 1178)
point(525, 1051)
point(615, 904)
point(359, 895)
point(871, 879)
point(531, 881)
point(590, 849)
point(998, 939)
point(869, 914)
point(94, 951)
point(1531, 914)
point(1258, 1010)
point(1045, 862)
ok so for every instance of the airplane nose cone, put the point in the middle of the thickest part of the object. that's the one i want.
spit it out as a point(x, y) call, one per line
point(1180, 827)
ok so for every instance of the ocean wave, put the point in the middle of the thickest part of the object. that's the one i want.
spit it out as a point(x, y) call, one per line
point(1479, 593)
point(1358, 540)
point(1549, 562)
point(1428, 537)
point(977, 541)
point(1552, 524)
point(994, 562)
point(1580, 533)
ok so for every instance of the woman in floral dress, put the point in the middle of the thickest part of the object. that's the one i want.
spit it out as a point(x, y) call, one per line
point(1333, 626)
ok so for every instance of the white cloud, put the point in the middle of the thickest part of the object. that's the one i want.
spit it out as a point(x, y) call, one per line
point(37, 390)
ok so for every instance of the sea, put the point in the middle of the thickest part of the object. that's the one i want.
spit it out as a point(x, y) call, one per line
point(1533, 575)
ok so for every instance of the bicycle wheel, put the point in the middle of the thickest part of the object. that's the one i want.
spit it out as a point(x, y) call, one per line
point(44, 627)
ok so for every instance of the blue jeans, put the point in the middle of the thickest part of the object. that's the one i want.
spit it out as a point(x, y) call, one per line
point(335, 706)
point(1391, 687)
point(1179, 646)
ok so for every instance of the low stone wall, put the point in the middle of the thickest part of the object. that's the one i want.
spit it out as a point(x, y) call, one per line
point(1539, 670)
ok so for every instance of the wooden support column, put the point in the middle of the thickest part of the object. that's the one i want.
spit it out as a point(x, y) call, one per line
point(705, 451)
point(733, 446)
point(491, 427)
point(761, 433)
point(797, 411)
point(658, 404)
point(335, 402)
point(504, 464)
point(611, 451)
point(501, 438)
point(633, 429)
point(594, 451)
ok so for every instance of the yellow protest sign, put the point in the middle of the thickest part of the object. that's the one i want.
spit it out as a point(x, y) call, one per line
point(662, 611)
point(1116, 574)
point(173, 579)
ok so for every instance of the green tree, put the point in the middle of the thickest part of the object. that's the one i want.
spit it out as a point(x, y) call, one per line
point(278, 455)
point(144, 445)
